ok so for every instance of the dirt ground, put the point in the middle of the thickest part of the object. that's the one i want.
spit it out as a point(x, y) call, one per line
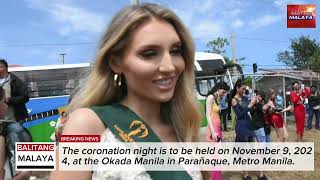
point(309, 136)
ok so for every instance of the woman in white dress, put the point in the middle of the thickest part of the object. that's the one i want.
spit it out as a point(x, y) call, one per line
point(144, 67)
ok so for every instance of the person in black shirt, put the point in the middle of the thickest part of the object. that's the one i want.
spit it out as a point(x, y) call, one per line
point(313, 108)
point(257, 115)
point(258, 122)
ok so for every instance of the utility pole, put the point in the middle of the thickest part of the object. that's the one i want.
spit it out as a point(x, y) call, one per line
point(284, 98)
point(62, 55)
point(233, 45)
point(254, 70)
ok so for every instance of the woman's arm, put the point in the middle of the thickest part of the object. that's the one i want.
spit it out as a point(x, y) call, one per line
point(294, 97)
point(81, 122)
point(266, 107)
point(240, 112)
point(289, 108)
point(209, 103)
point(252, 102)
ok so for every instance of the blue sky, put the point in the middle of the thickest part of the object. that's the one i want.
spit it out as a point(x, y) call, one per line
point(28, 26)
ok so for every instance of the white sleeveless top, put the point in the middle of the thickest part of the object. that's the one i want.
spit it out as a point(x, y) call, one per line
point(108, 136)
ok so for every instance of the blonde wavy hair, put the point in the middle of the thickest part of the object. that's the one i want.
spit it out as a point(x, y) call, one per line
point(181, 111)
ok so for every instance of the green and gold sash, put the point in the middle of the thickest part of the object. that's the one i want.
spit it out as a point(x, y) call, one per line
point(129, 127)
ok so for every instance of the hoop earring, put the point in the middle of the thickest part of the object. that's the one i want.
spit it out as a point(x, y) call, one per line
point(117, 80)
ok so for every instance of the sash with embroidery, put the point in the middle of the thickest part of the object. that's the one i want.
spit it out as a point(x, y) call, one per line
point(129, 127)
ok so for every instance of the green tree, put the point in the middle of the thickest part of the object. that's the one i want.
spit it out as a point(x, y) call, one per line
point(301, 54)
point(315, 61)
point(248, 81)
point(219, 46)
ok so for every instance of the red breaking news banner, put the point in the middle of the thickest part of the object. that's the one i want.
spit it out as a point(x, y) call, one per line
point(79, 138)
point(301, 16)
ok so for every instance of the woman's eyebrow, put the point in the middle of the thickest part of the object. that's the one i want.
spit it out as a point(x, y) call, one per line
point(178, 43)
point(155, 46)
point(149, 46)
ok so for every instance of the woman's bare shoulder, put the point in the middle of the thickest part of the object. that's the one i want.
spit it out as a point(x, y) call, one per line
point(210, 98)
point(83, 121)
point(234, 101)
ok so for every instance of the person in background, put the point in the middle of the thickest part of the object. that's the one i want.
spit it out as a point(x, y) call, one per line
point(213, 110)
point(223, 103)
point(313, 108)
point(244, 129)
point(214, 118)
point(274, 117)
point(297, 96)
point(3, 110)
point(16, 95)
point(279, 100)
point(258, 117)
point(267, 130)
point(258, 122)
point(241, 106)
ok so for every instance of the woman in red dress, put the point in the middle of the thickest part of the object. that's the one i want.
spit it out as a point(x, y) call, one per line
point(297, 96)
point(273, 116)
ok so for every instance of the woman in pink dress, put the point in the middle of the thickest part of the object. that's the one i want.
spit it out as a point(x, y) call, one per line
point(214, 133)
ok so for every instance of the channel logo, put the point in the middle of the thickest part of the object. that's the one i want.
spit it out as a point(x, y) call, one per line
point(301, 16)
point(35, 156)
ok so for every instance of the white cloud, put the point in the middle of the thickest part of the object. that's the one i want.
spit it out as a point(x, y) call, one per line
point(231, 14)
point(205, 19)
point(237, 24)
point(70, 19)
point(207, 29)
point(210, 19)
point(205, 6)
point(282, 4)
point(265, 20)
point(77, 19)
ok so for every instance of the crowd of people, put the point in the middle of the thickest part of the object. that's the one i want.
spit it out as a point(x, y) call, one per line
point(258, 112)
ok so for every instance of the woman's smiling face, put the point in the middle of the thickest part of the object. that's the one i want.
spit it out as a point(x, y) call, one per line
point(152, 62)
